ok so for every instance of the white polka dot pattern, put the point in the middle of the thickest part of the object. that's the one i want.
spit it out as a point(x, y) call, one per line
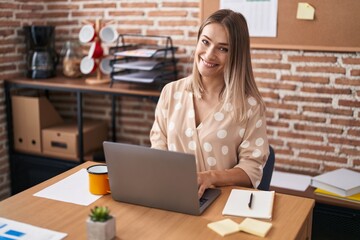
point(191, 113)
point(258, 123)
point(172, 147)
point(207, 147)
point(259, 142)
point(219, 116)
point(228, 107)
point(252, 101)
point(189, 132)
point(177, 95)
point(245, 144)
point(241, 132)
point(178, 106)
point(171, 126)
point(224, 150)
point(192, 145)
point(211, 161)
point(256, 153)
point(221, 134)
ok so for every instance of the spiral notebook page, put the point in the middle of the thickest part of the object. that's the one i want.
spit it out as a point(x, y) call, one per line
point(261, 206)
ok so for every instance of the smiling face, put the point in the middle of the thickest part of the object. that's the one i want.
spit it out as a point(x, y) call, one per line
point(211, 52)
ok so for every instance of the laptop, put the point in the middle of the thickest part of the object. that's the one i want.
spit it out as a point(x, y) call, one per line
point(155, 178)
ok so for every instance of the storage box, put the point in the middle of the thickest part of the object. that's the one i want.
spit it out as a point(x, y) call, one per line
point(62, 140)
point(30, 115)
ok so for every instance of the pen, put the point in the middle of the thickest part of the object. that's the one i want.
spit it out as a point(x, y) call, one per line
point(250, 200)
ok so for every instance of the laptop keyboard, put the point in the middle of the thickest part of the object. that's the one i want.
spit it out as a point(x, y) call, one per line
point(202, 201)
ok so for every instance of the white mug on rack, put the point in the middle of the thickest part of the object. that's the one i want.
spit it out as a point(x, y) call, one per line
point(87, 33)
point(108, 34)
point(88, 65)
point(105, 66)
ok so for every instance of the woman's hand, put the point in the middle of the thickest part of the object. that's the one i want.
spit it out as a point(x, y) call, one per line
point(204, 182)
point(218, 178)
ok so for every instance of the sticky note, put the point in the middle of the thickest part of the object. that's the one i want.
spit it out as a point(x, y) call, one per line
point(305, 11)
point(224, 227)
point(255, 227)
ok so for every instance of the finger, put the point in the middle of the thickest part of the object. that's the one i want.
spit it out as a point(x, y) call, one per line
point(201, 191)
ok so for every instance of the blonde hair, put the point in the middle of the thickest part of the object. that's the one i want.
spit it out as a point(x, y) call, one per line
point(239, 81)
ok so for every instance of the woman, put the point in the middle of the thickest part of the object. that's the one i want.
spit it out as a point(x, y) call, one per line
point(217, 113)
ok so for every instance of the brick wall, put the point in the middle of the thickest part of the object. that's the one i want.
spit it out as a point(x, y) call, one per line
point(313, 107)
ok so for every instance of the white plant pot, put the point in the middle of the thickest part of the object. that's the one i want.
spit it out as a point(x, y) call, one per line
point(101, 230)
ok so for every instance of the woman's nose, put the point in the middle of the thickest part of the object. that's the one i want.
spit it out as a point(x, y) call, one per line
point(210, 53)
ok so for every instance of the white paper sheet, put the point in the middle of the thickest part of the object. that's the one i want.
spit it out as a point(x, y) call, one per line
point(10, 229)
point(261, 15)
point(73, 189)
point(292, 181)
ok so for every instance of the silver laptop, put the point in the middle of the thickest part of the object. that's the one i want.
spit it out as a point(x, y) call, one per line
point(155, 178)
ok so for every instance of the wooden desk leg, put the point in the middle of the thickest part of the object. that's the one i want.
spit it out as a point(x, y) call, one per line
point(309, 225)
point(305, 230)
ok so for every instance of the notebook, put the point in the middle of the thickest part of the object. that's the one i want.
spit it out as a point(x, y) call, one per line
point(261, 204)
point(155, 178)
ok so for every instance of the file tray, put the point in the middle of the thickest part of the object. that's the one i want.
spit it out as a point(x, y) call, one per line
point(143, 76)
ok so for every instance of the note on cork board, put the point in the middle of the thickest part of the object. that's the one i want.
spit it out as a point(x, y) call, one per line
point(335, 26)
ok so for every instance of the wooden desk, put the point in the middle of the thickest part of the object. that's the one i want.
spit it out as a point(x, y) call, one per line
point(332, 218)
point(292, 216)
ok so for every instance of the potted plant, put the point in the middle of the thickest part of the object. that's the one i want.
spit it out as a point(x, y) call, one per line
point(100, 224)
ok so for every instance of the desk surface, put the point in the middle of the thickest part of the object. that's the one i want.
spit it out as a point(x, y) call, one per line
point(80, 84)
point(292, 216)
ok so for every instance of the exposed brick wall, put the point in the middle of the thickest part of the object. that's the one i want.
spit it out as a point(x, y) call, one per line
point(313, 107)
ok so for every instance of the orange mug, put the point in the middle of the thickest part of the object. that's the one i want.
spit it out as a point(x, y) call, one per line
point(98, 179)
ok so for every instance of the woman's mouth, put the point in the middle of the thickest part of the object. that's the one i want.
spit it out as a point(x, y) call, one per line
point(208, 64)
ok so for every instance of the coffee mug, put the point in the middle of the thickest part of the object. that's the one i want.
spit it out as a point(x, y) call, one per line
point(96, 51)
point(98, 179)
point(88, 65)
point(87, 33)
point(108, 34)
point(105, 66)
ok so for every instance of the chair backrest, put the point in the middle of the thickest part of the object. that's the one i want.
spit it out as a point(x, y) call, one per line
point(268, 171)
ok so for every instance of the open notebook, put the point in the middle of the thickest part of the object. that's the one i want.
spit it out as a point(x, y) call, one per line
point(238, 204)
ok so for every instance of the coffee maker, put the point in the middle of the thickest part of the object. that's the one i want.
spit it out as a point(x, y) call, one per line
point(41, 58)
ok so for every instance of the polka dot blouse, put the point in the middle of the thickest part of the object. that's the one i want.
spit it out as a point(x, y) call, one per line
point(218, 142)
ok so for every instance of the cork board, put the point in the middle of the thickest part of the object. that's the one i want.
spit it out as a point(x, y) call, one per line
point(336, 26)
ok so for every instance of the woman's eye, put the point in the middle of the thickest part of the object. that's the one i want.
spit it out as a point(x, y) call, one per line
point(205, 42)
point(224, 49)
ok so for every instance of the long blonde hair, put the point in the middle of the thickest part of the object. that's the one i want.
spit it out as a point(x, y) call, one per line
point(239, 81)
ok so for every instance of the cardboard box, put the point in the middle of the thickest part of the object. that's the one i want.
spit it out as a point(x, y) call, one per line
point(62, 140)
point(30, 115)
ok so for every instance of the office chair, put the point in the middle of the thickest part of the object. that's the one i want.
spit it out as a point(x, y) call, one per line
point(268, 171)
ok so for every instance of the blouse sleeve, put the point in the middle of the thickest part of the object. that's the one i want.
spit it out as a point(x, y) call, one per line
point(158, 137)
point(254, 148)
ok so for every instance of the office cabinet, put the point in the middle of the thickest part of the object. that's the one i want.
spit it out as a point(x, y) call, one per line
point(30, 168)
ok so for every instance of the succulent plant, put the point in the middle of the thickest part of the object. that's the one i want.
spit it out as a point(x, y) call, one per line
point(100, 214)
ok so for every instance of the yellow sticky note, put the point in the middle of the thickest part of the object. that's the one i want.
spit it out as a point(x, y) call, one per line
point(224, 227)
point(256, 227)
point(305, 11)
